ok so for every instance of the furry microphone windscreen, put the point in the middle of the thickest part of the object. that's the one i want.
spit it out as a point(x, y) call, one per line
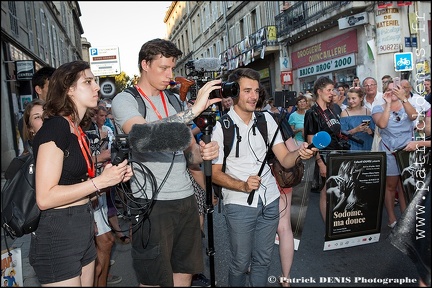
point(159, 137)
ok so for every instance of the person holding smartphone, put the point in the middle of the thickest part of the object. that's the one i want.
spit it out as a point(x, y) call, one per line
point(356, 120)
point(356, 82)
point(395, 120)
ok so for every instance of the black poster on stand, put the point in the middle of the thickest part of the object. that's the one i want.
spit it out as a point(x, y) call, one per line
point(355, 196)
point(413, 166)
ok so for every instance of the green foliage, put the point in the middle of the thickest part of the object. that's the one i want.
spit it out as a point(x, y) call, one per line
point(122, 81)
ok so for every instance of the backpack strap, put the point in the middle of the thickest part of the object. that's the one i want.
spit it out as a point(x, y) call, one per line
point(261, 123)
point(228, 134)
point(228, 127)
point(172, 99)
point(141, 104)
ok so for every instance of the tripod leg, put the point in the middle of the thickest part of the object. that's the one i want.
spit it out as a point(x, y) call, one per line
point(209, 203)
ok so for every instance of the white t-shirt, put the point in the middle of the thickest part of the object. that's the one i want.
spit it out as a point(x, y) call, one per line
point(378, 100)
point(252, 150)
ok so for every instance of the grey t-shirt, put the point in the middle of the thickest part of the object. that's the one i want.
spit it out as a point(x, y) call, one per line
point(178, 184)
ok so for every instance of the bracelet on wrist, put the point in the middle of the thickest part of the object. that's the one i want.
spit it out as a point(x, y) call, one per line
point(98, 192)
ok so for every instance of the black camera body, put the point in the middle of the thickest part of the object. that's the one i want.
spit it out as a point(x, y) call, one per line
point(205, 74)
point(120, 149)
point(228, 89)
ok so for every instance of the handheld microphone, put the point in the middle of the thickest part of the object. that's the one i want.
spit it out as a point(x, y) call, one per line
point(207, 64)
point(320, 140)
point(160, 137)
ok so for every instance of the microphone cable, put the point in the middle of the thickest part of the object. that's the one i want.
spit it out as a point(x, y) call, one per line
point(140, 205)
point(140, 197)
point(265, 216)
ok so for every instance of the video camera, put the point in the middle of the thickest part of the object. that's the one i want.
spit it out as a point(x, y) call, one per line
point(120, 149)
point(204, 70)
point(96, 143)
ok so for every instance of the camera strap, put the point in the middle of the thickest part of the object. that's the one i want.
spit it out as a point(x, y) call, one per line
point(327, 119)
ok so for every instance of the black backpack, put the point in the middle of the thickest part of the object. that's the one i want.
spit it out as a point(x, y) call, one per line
point(19, 211)
point(228, 128)
point(172, 98)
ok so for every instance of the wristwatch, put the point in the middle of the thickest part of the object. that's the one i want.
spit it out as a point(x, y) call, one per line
point(405, 100)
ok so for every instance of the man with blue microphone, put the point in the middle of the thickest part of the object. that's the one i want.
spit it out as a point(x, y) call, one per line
point(251, 227)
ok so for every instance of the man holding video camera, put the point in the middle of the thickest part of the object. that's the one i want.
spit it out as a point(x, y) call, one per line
point(166, 246)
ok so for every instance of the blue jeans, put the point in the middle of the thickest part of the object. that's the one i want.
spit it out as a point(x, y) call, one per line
point(252, 233)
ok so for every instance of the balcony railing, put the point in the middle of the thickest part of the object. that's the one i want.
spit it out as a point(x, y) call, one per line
point(303, 12)
point(242, 52)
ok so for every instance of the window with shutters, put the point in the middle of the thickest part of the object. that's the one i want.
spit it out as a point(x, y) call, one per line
point(13, 20)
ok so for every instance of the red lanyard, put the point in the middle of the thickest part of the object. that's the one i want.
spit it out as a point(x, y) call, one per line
point(151, 103)
point(84, 148)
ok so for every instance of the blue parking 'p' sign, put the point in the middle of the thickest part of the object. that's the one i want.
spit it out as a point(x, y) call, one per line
point(93, 51)
point(403, 61)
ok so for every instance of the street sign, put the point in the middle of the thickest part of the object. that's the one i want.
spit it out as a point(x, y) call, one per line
point(353, 20)
point(411, 42)
point(104, 61)
point(107, 87)
point(286, 77)
point(403, 61)
point(327, 66)
point(24, 69)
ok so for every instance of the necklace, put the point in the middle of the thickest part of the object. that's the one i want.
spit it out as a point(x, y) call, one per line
point(85, 150)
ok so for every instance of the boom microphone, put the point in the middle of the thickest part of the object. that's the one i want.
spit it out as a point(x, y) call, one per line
point(320, 140)
point(207, 64)
point(159, 137)
point(352, 137)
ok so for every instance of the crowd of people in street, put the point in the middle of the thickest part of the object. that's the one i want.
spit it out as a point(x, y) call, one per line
point(70, 130)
